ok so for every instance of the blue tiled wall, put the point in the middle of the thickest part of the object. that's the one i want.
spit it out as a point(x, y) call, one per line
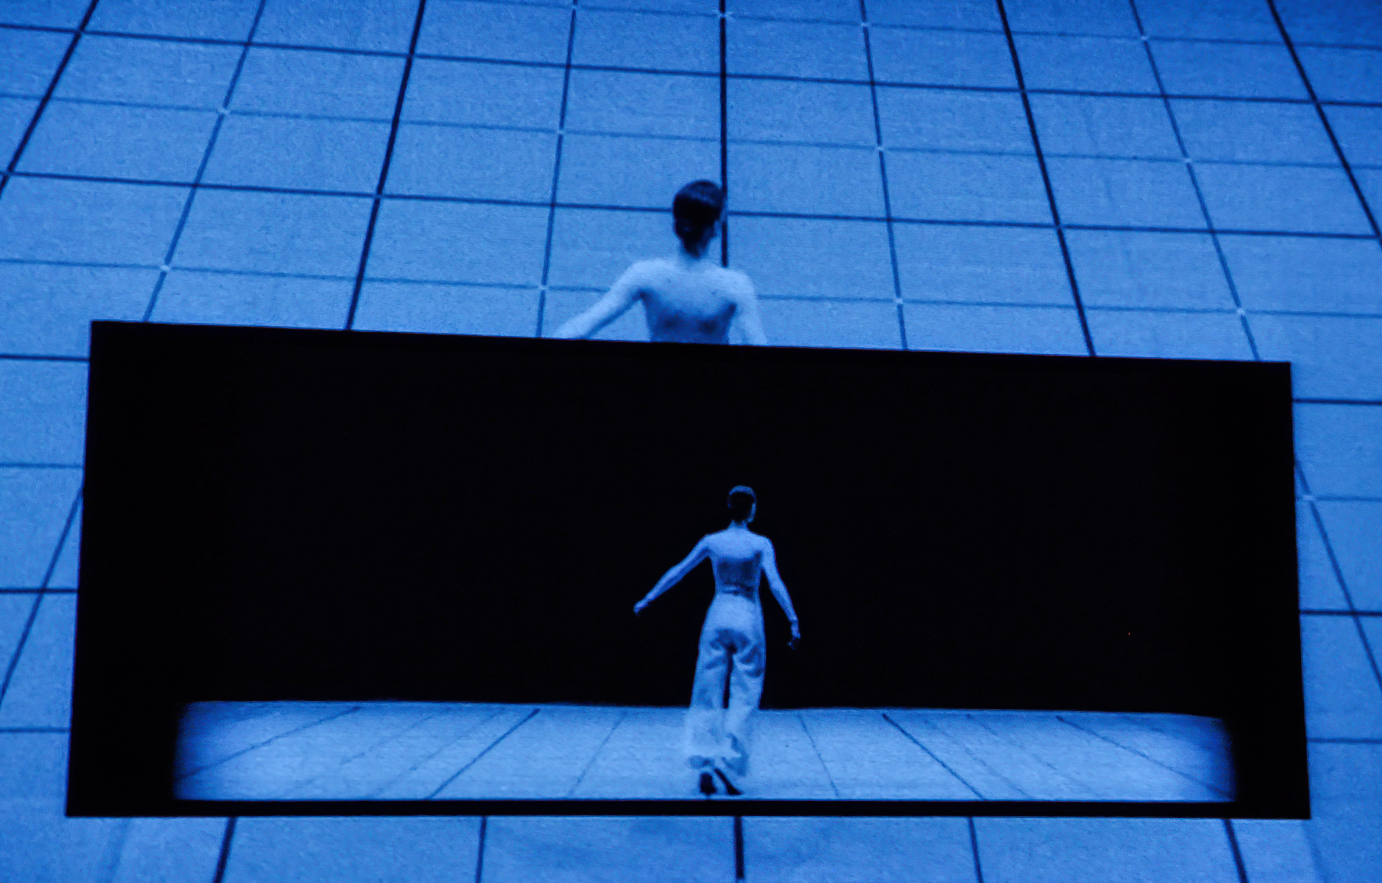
point(1182, 178)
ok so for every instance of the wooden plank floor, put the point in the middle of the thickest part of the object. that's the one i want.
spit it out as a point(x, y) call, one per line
point(431, 750)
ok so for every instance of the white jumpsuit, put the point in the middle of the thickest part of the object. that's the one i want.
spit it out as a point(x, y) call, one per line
point(733, 653)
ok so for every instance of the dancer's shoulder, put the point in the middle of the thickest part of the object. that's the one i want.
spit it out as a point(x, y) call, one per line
point(737, 280)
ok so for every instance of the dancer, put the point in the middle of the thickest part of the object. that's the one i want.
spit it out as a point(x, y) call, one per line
point(687, 297)
point(731, 644)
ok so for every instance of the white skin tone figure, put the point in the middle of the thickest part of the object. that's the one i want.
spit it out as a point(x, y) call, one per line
point(731, 650)
point(686, 298)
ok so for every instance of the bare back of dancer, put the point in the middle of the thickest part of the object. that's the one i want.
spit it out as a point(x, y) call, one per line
point(687, 297)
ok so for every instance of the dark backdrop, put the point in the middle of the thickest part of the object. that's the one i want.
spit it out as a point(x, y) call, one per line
point(277, 514)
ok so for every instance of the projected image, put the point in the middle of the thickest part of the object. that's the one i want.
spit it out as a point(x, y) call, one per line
point(392, 573)
point(291, 750)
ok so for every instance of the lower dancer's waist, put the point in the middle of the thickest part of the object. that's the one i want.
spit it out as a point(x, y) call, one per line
point(733, 591)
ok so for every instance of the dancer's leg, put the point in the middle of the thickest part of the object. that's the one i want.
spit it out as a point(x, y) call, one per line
point(745, 691)
point(705, 717)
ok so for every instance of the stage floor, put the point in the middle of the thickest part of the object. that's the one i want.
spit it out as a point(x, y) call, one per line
point(447, 751)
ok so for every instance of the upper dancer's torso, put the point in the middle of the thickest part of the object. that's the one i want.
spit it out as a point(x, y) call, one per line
point(736, 554)
point(689, 301)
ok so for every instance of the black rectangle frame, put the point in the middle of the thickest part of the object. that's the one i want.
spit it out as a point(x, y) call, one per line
point(105, 772)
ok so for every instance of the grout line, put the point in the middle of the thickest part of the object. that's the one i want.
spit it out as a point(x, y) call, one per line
point(976, 758)
point(739, 849)
point(35, 730)
point(419, 763)
point(1369, 402)
point(429, 757)
point(1339, 575)
point(556, 173)
point(1303, 612)
point(651, 8)
point(1145, 756)
point(62, 541)
point(883, 176)
point(1345, 740)
point(224, 855)
point(1046, 181)
point(480, 851)
point(1324, 120)
point(814, 747)
point(1081, 786)
point(596, 753)
point(26, 357)
point(647, 209)
point(340, 50)
point(47, 96)
point(486, 750)
point(256, 746)
point(384, 167)
point(201, 171)
point(1237, 853)
point(298, 787)
point(38, 596)
point(932, 754)
point(974, 848)
point(1195, 183)
point(724, 135)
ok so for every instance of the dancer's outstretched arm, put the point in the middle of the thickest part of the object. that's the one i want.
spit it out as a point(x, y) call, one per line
point(674, 576)
point(779, 590)
point(614, 304)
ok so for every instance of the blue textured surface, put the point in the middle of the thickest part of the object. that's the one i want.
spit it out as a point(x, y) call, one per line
point(959, 203)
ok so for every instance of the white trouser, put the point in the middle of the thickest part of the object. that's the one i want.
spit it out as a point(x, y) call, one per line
point(732, 650)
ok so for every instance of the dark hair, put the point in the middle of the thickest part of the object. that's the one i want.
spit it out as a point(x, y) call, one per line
point(695, 209)
point(741, 502)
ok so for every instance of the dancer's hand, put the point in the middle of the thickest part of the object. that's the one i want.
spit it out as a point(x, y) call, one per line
point(638, 608)
point(796, 636)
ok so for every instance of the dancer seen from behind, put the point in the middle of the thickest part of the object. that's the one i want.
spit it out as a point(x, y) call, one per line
point(688, 297)
point(732, 648)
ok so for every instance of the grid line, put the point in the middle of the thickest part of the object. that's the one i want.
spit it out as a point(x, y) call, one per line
point(384, 168)
point(1092, 93)
point(47, 96)
point(945, 766)
point(224, 110)
point(1143, 755)
point(1237, 853)
point(801, 722)
point(480, 849)
point(556, 173)
point(944, 29)
point(294, 731)
point(724, 134)
point(974, 848)
point(610, 134)
point(476, 759)
point(1310, 611)
point(39, 595)
point(1324, 120)
point(521, 203)
point(1195, 183)
point(1339, 574)
point(739, 849)
point(883, 175)
point(224, 856)
point(1046, 181)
